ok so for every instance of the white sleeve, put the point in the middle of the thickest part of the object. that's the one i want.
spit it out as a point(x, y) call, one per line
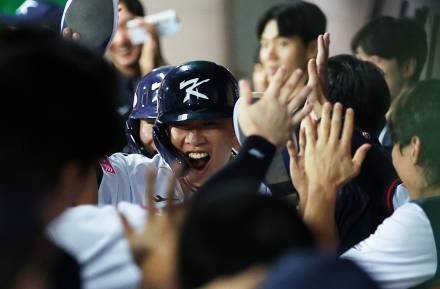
point(124, 179)
point(401, 253)
point(96, 238)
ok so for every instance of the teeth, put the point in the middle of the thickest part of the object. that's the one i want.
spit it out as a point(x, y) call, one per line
point(197, 156)
point(124, 50)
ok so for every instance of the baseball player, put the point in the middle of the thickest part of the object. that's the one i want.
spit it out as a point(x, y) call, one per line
point(193, 127)
point(139, 125)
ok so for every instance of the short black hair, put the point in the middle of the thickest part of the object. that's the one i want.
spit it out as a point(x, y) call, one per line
point(229, 234)
point(302, 19)
point(134, 6)
point(417, 114)
point(390, 37)
point(360, 85)
point(59, 102)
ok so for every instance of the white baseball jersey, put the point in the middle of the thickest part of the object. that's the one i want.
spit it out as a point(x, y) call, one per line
point(95, 237)
point(124, 179)
point(402, 252)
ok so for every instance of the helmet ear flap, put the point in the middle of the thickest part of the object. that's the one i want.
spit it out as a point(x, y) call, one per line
point(170, 154)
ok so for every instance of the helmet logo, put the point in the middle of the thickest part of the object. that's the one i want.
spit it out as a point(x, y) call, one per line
point(155, 86)
point(192, 90)
point(23, 9)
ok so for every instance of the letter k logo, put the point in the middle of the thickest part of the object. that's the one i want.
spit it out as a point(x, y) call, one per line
point(192, 90)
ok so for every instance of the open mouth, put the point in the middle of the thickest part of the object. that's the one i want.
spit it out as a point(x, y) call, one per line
point(198, 160)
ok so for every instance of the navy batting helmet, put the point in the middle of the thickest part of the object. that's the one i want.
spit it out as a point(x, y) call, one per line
point(196, 90)
point(144, 107)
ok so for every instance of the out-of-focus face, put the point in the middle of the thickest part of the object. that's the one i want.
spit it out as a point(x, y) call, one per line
point(146, 134)
point(207, 145)
point(276, 50)
point(392, 73)
point(408, 172)
point(124, 55)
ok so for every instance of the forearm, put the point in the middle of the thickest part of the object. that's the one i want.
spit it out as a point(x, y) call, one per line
point(319, 215)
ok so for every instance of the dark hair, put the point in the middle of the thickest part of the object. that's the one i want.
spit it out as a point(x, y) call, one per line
point(59, 107)
point(360, 85)
point(302, 19)
point(233, 232)
point(390, 37)
point(417, 114)
point(134, 6)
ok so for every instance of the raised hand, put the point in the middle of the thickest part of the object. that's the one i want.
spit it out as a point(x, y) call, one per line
point(323, 164)
point(276, 113)
point(151, 55)
point(154, 249)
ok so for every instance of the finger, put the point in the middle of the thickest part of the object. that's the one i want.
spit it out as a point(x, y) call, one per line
point(312, 72)
point(347, 131)
point(324, 126)
point(336, 120)
point(301, 114)
point(171, 190)
point(293, 154)
point(276, 83)
point(302, 140)
point(290, 85)
point(128, 229)
point(150, 181)
point(320, 55)
point(245, 92)
point(310, 128)
point(67, 32)
point(299, 101)
point(327, 41)
point(359, 157)
point(76, 36)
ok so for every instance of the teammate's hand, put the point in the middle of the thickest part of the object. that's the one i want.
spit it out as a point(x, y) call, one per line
point(151, 55)
point(317, 72)
point(276, 113)
point(327, 164)
point(154, 250)
point(68, 33)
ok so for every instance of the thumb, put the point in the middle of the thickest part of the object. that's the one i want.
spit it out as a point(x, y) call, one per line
point(359, 157)
point(245, 92)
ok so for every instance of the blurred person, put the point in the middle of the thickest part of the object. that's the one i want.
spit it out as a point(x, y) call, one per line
point(133, 61)
point(47, 170)
point(403, 252)
point(232, 233)
point(399, 48)
point(287, 33)
point(139, 125)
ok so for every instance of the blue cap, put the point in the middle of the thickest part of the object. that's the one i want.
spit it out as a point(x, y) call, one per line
point(146, 96)
point(35, 12)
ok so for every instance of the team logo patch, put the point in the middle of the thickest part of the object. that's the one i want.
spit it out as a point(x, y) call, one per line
point(107, 166)
point(193, 89)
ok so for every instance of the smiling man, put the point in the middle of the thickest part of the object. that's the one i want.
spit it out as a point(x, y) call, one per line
point(287, 34)
point(193, 128)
